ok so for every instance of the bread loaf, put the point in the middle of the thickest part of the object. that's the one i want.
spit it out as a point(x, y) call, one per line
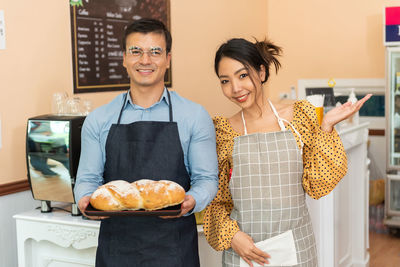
point(142, 194)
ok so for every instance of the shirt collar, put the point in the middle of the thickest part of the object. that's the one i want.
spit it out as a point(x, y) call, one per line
point(164, 98)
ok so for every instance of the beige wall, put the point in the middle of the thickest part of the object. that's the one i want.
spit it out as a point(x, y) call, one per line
point(323, 39)
point(198, 28)
point(37, 61)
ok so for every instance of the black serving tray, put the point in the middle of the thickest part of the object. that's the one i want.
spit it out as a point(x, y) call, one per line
point(169, 211)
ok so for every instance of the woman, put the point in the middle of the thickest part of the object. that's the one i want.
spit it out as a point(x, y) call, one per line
point(269, 154)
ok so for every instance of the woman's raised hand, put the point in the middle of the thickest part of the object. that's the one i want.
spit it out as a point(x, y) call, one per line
point(341, 113)
point(243, 245)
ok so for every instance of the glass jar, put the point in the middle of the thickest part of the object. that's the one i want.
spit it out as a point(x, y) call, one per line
point(59, 103)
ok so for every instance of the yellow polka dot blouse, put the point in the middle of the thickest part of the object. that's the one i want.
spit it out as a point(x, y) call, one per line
point(324, 161)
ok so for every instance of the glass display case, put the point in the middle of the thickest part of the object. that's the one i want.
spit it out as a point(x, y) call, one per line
point(392, 192)
point(393, 108)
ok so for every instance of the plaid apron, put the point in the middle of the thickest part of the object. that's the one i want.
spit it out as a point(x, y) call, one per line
point(267, 192)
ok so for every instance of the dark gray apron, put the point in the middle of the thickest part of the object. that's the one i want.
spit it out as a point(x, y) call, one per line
point(146, 150)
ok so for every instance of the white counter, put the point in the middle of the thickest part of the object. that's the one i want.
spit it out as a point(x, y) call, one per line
point(340, 219)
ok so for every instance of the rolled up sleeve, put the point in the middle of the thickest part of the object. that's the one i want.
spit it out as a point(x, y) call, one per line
point(91, 163)
point(202, 159)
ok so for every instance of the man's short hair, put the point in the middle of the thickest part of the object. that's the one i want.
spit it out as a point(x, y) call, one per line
point(146, 25)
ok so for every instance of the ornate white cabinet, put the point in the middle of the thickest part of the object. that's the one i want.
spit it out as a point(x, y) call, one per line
point(55, 239)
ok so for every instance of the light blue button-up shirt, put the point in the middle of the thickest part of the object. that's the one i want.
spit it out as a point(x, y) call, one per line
point(196, 133)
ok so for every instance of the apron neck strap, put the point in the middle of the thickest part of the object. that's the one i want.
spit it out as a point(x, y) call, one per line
point(280, 120)
point(244, 124)
point(171, 118)
point(282, 125)
point(123, 106)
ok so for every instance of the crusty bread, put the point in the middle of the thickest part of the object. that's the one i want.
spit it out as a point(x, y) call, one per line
point(142, 194)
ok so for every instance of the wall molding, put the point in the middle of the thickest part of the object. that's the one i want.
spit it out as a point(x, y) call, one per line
point(14, 187)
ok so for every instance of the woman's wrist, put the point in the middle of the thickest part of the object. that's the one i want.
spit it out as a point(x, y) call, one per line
point(235, 236)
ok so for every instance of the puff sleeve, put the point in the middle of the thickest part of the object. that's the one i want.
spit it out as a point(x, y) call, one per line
point(324, 158)
point(219, 228)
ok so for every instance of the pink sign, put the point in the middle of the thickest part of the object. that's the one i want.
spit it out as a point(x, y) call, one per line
point(393, 16)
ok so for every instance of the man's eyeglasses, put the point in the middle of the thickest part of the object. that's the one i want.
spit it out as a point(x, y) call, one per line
point(137, 52)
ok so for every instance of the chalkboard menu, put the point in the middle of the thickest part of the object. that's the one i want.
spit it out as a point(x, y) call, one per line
point(97, 29)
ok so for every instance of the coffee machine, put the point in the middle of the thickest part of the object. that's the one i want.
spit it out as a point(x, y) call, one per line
point(53, 145)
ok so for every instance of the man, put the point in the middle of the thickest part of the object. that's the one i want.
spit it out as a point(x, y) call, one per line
point(150, 133)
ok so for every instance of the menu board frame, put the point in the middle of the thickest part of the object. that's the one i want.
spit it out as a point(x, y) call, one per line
point(79, 71)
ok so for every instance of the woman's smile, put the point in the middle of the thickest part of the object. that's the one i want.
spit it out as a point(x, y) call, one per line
point(242, 98)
